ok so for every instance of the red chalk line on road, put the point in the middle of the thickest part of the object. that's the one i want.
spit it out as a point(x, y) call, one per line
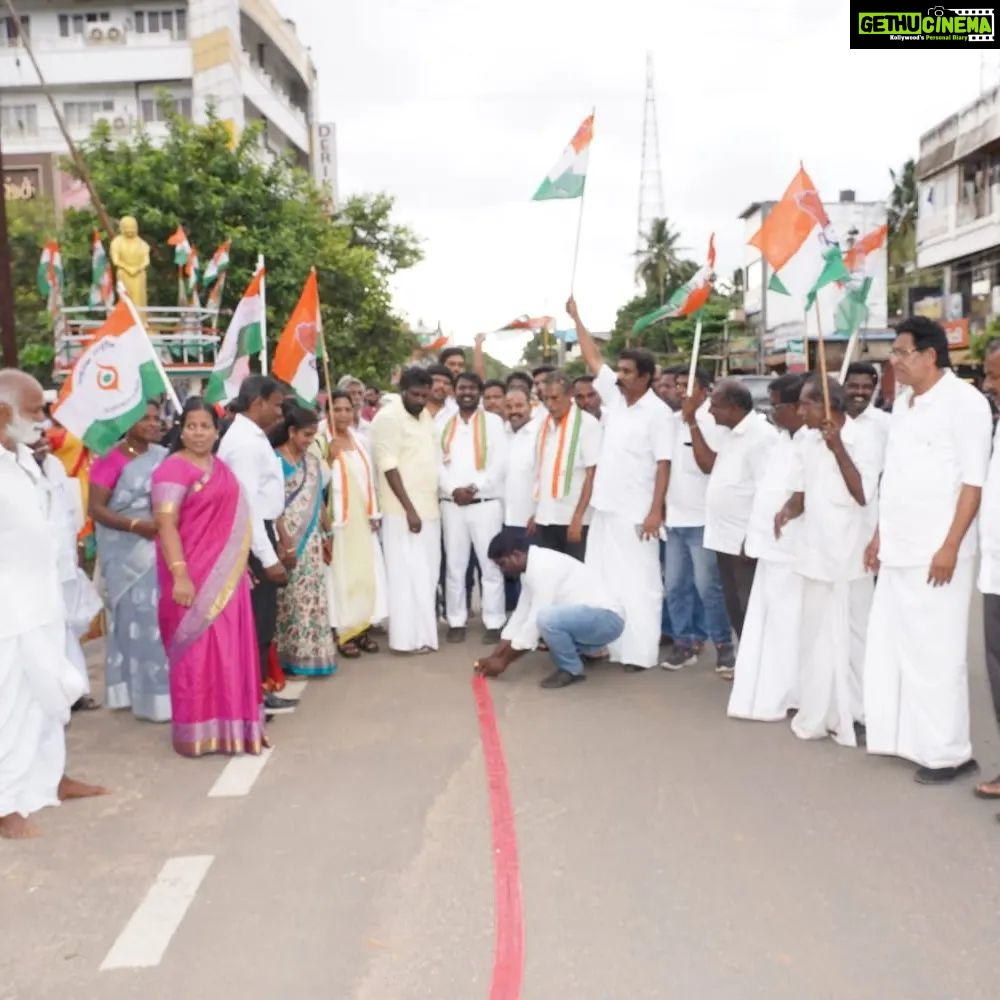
point(508, 949)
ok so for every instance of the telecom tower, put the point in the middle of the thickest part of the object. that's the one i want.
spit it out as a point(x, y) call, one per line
point(651, 204)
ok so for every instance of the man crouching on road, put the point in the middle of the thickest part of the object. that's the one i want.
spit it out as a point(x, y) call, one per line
point(563, 601)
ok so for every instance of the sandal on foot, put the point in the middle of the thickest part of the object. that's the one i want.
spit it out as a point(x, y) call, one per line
point(367, 644)
point(86, 704)
point(349, 651)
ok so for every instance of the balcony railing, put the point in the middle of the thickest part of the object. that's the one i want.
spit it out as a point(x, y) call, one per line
point(126, 39)
point(273, 86)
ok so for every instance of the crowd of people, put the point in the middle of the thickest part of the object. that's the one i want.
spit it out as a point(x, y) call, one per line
point(827, 549)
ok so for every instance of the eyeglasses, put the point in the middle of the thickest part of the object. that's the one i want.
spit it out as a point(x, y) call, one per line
point(902, 352)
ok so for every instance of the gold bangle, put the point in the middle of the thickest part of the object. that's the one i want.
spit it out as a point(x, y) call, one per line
point(176, 562)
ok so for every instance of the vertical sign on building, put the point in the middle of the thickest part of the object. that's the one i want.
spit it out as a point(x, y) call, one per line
point(325, 159)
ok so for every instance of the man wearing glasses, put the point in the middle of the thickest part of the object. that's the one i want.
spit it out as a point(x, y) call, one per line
point(938, 449)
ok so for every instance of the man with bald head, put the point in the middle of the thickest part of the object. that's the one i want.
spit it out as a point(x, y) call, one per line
point(38, 684)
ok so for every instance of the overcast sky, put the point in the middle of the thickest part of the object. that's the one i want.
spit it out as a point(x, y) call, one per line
point(460, 107)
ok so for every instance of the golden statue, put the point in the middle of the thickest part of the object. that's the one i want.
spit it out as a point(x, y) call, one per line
point(130, 256)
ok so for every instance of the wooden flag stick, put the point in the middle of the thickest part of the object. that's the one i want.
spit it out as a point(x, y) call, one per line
point(695, 351)
point(579, 225)
point(821, 352)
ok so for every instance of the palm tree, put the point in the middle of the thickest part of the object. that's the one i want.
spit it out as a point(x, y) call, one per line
point(902, 219)
point(659, 261)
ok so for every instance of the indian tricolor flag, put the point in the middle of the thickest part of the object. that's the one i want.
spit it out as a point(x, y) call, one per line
point(689, 298)
point(112, 381)
point(50, 274)
point(192, 273)
point(181, 245)
point(568, 177)
point(217, 266)
point(102, 284)
point(798, 242)
point(851, 311)
point(244, 338)
point(301, 344)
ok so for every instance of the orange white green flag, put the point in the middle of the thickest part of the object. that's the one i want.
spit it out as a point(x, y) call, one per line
point(244, 339)
point(102, 282)
point(181, 245)
point(689, 298)
point(568, 177)
point(112, 381)
point(301, 344)
point(799, 244)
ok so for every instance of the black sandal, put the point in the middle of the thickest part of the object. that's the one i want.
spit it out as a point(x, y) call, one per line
point(349, 651)
point(86, 704)
point(367, 644)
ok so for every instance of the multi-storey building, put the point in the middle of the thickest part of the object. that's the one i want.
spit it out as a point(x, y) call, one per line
point(111, 59)
point(958, 219)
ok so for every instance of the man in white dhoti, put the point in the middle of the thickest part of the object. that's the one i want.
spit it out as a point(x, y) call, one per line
point(834, 472)
point(37, 682)
point(861, 384)
point(630, 488)
point(519, 481)
point(406, 460)
point(473, 461)
point(765, 687)
point(563, 603)
point(81, 602)
point(916, 673)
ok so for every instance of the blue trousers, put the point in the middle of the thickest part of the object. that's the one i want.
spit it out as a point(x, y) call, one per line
point(692, 569)
point(572, 629)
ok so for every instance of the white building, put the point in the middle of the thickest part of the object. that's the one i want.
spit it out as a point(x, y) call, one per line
point(778, 320)
point(109, 60)
point(958, 218)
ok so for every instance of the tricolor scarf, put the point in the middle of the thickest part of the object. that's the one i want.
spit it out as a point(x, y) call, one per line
point(562, 467)
point(478, 438)
point(340, 459)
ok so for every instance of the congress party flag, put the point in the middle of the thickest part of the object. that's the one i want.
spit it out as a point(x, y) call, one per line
point(568, 177)
point(301, 344)
point(244, 338)
point(689, 298)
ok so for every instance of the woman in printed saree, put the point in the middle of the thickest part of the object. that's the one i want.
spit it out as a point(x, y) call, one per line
point(119, 503)
point(205, 612)
point(304, 638)
point(356, 574)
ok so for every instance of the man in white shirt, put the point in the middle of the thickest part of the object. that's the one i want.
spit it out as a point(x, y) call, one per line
point(587, 397)
point(860, 385)
point(765, 686)
point(569, 444)
point(834, 472)
point(519, 481)
point(441, 405)
point(473, 461)
point(989, 542)
point(245, 448)
point(916, 674)
point(38, 684)
point(630, 489)
point(735, 470)
point(695, 605)
point(406, 460)
point(564, 602)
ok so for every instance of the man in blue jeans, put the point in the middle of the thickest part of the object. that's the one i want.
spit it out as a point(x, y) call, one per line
point(563, 602)
point(690, 568)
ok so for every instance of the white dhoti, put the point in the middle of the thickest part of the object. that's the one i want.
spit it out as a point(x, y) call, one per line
point(413, 564)
point(916, 671)
point(860, 595)
point(37, 687)
point(468, 529)
point(825, 664)
point(82, 603)
point(631, 570)
point(765, 685)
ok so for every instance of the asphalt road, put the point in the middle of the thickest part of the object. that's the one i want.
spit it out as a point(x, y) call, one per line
point(666, 852)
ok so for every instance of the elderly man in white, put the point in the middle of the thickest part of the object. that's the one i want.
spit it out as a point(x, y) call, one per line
point(916, 677)
point(38, 684)
point(630, 489)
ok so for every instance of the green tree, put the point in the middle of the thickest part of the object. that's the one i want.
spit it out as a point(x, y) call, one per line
point(29, 225)
point(217, 189)
point(902, 242)
point(659, 267)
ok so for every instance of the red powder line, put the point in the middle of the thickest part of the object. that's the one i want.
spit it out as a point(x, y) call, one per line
point(508, 949)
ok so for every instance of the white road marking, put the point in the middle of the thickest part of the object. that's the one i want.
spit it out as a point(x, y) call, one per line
point(292, 689)
point(238, 775)
point(145, 938)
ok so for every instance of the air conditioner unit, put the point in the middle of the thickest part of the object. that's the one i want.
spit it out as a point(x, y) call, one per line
point(119, 125)
point(115, 32)
point(95, 34)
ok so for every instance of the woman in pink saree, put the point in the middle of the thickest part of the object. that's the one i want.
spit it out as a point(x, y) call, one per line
point(206, 620)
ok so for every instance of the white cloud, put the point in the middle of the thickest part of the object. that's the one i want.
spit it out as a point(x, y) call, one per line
point(460, 108)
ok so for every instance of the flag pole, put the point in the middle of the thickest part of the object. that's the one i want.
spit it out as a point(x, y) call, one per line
point(695, 351)
point(263, 316)
point(123, 296)
point(852, 342)
point(821, 353)
point(579, 224)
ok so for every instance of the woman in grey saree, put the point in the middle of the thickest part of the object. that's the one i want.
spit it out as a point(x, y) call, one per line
point(121, 507)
